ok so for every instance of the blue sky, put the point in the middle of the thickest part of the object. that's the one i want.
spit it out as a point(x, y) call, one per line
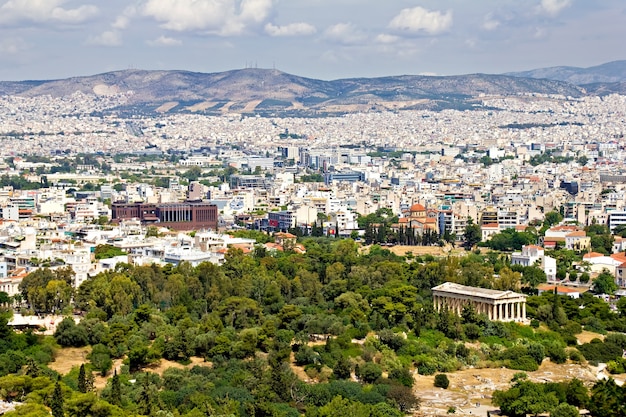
point(326, 39)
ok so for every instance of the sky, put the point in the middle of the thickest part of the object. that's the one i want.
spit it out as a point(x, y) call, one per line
point(323, 39)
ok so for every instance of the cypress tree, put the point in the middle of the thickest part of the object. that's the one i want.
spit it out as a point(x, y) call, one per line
point(56, 402)
point(82, 380)
point(116, 389)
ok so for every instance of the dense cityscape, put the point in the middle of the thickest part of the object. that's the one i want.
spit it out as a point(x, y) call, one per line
point(350, 258)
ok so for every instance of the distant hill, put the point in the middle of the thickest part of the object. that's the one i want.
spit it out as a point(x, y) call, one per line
point(268, 91)
point(611, 72)
point(601, 89)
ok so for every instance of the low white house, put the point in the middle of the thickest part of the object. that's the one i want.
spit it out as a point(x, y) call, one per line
point(533, 255)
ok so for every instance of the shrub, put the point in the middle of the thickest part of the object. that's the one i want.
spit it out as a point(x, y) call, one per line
point(403, 376)
point(599, 351)
point(617, 366)
point(442, 381)
point(537, 352)
point(576, 356)
point(370, 372)
point(523, 363)
point(557, 354)
point(472, 331)
point(462, 351)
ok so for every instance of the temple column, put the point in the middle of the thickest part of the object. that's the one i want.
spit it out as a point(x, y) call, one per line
point(523, 311)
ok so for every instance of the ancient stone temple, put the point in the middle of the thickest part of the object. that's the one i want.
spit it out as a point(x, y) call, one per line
point(497, 305)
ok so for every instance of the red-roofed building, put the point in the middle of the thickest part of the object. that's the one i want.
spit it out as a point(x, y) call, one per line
point(572, 292)
point(417, 210)
point(489, 230)
point(283, 238)
point(619, 257)
point(578, 241)
point(418, 219)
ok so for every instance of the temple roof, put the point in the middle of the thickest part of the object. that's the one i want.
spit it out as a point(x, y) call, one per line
point(452, 288)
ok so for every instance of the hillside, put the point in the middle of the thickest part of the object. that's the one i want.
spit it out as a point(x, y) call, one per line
point(267, 91)
point(610, 72)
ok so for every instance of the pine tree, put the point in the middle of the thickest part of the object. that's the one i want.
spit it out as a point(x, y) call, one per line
point(116, 389)
point(144, 400)
point(82, 381)
point(56, 402)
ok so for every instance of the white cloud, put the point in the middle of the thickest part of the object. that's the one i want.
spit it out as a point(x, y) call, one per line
point(40, 11)
point(553, 7)
point(123, 20)
point(292, 29)
point(490, 23)
point(255, 10)
point(164, 41)
point(386, 38)
point(419, 19)
point(222, 17)
point(107, 38)
point(345, 33)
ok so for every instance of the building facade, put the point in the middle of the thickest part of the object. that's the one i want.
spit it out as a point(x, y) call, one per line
point(190, 215)
point(497, 305)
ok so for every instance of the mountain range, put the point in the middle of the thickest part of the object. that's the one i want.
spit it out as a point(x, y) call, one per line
point(269, 91)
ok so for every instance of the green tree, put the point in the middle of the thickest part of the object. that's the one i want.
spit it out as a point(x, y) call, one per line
point(342, 368)
point(69, 334)
point(116, 389)
point(524, 398)
point(607, 399)
point(370, 372)
point(82, 379)
point(56, 401)
point(403, 398)
point(472, 234)
point(604, 283)
point(577, 393)
point(193, 173)
point(100, 358)
point(533, 276)
point(551, 218)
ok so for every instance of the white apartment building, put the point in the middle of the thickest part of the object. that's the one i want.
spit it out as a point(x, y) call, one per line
point(616, 218)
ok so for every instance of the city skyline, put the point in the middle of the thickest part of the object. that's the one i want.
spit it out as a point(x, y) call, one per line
point(317, 39)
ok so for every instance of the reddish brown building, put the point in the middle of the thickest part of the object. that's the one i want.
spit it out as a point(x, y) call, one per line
point(190, 215)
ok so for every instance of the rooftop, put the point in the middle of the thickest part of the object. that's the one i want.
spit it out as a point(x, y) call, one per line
point(453, 288)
